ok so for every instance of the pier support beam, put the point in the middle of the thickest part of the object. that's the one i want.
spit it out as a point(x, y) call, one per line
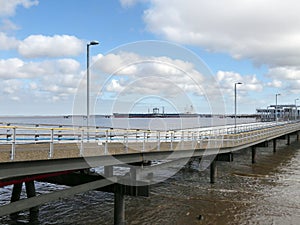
point(108, 171)
point(30, 192)
point(213, 171)
point(298, 136)
point(16, 192)
point(15, 196)
point(30, 189)
point(274, 145)
point(253, 148)
point(288, 139)
point(119, 206)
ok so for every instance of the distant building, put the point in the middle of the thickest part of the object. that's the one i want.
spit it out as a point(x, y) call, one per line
point(156, 110)
point(283, 113)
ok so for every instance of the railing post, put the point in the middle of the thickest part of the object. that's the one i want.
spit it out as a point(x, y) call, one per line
point(81, 143)
point(13, 145)
point(171, 146)
point(182, 140)
point(8, 134)
point(110, 134)
point(126, 145)
point(158, 140)
point(144, 140)
point(106, 143)
point(51, 144)
point(59, 135)
point(36, 135)
point(193, 141)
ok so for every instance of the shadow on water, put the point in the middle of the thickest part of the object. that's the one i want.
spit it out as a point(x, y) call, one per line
point(263, 193)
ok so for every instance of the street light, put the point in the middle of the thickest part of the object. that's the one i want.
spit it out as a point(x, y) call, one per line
point(276, 108)
point(296, 112)
point(88, 82)
point(235, 105)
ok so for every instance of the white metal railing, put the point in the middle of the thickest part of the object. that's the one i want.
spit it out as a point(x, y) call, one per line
point(159, 140)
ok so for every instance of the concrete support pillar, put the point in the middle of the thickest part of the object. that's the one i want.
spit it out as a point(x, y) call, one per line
point(119, 206)
point(253, 148)
point(15, 196)
point(288, 139)
point(30, 192)
point(298, 136)
point(213, 171)
point(30, 189)
point(274, 145)
point(108, 171)
point(16, 192)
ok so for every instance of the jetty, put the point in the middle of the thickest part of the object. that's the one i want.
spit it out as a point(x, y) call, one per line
point(66, 155)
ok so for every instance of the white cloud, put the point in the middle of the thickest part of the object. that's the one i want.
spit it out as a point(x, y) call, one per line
point(13, 68)
point(11, 86)
point(41, 80)
point(16, 68)
point(7, 43)
point(8, 7)
point(50, 46)
point(266, 32)
point(293, 87)
point(228, 78)
point(8, 25)
point(275, 84)
point(286, 77)
point(285, 73)
point(114, 63)
point(11, 89)
point(149, 74)
point(114, 86)
point(33, 86)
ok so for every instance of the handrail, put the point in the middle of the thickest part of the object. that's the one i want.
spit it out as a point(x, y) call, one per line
point(168, 140)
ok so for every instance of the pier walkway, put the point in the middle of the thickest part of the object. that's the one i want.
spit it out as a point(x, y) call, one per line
point(29, 153)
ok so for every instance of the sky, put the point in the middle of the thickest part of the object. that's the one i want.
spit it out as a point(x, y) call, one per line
point(179, 56)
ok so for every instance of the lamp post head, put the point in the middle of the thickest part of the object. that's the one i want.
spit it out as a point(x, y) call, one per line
point(237, 83)
point(93, 43)
point(278, 94)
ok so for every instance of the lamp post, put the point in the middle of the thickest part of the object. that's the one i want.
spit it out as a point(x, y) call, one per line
point(235, 104)
point(296, 112)
point(276, 118)
point(88, 82)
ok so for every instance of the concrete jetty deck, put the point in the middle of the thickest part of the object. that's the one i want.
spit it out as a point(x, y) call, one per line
point(30, 153)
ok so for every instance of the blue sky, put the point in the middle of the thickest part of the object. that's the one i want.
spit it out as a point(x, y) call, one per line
point(43, 55)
